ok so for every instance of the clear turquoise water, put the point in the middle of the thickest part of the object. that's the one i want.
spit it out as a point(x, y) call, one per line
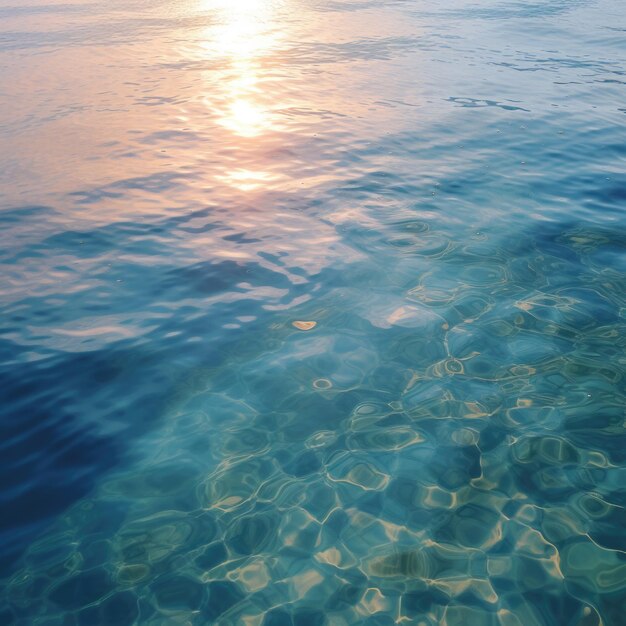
point(440, 187)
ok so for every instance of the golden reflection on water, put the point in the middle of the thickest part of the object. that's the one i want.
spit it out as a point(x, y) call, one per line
point(242, 36)
point(226, 95)
point(245, 179)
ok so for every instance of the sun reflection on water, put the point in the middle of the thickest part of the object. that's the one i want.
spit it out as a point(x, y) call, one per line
point(247, 180)
point(242, 37)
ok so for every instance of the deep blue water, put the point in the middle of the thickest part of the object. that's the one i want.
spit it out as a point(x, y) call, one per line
point(313, 312)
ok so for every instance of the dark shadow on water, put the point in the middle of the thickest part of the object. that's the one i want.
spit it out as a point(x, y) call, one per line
point(54, 440)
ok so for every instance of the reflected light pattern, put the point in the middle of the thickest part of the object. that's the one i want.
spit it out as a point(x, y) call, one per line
point(247, 180)
point(242, 35)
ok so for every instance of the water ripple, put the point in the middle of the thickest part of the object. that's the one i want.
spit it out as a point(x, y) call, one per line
point(313, 313)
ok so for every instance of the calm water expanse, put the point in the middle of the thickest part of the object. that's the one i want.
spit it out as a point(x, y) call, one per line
point(313, 312)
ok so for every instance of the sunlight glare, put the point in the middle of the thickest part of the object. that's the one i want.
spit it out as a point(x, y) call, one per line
point(243, 34)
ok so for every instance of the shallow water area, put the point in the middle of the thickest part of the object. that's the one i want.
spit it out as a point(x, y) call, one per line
point(313, 312)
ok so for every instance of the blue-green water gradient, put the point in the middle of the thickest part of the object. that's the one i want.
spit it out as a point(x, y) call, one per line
point(313, 313)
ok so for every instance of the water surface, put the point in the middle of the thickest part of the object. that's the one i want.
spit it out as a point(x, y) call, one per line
point(438, 186)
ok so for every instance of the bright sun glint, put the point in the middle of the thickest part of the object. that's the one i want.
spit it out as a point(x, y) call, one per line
point(242, 33)
point(245, 118)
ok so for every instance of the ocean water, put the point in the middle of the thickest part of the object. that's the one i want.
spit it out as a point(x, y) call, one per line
point(313, 312)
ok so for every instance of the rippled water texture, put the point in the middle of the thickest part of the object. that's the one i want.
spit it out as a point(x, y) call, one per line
point(313, 312)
